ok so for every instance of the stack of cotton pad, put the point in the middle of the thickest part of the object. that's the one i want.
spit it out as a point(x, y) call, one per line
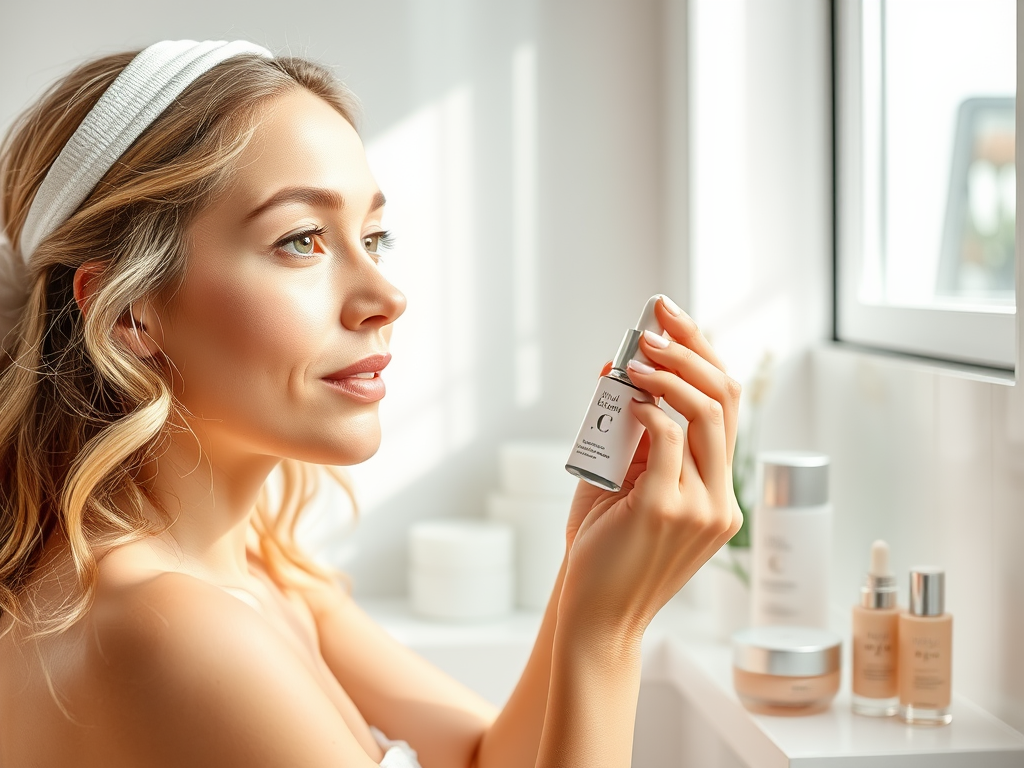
point(534, 499)
point(461, 569)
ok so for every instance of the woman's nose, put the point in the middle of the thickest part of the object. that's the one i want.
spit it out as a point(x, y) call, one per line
point(374, 302)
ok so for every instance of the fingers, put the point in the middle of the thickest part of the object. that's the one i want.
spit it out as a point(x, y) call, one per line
point(682, 328)
point(665, 455)
point(702, 374)
point(706, 431)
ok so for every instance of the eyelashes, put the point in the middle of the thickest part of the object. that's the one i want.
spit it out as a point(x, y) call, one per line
point(307, 237)
point(304, 243)
point(378, 241)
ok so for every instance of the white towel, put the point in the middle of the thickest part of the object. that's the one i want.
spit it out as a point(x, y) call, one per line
point(397, 754)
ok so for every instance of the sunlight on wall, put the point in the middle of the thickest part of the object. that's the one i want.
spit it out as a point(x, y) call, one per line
point(524, 226)
point(424, 165)
point(721, 263)
point(758, 203)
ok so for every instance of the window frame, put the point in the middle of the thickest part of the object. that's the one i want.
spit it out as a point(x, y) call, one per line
point(985, 337)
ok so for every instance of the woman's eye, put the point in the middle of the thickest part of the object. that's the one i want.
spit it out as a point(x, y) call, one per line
point(302, 244)
point(377, 242)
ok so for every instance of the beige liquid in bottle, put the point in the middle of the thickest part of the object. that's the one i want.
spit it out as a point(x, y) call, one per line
point(926, 651)
point(875, 633)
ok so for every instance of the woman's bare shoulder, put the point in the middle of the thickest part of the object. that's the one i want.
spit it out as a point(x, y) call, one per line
point(153, 618)
point(204, 681)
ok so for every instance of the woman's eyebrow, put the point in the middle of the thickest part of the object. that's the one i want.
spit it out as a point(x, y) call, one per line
point(316, 197)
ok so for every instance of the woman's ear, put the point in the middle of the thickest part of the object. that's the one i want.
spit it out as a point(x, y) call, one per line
point(85, 283)
point(132, 328)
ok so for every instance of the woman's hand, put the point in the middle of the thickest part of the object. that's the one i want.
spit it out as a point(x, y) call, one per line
point(630, 551)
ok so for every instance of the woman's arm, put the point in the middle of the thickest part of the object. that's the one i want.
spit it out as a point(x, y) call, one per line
point(628, 553)
point(595, 681)
point(636, 548)
point(408, 698)
point(395, 689)
point(514, 737)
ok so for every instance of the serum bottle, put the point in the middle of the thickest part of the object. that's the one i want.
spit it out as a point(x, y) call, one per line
point(926, 651)
point(875, 636)
point(610, 433)
point(791, 535)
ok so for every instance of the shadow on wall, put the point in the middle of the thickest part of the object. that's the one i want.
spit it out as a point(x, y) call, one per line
point(504, 192)
point(426, 163)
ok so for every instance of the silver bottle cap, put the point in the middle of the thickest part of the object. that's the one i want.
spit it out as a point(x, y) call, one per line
point(629, 349)
point(927, 591)
point(786, 651)
point(793, 478)
point(878, 592)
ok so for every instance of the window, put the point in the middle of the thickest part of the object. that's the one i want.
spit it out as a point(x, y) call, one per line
point(925, 177)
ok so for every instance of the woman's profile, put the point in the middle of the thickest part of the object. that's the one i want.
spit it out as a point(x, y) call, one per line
point(194, 301)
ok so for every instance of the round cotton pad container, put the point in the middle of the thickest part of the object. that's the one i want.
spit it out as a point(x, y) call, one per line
point(461, 569)
point(786, 670)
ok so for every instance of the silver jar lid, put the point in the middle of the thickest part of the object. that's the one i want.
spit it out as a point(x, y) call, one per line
point(786, 651)
point(793, 478)
point(927, 591)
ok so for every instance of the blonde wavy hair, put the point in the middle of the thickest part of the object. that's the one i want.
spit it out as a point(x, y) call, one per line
point(80, 415)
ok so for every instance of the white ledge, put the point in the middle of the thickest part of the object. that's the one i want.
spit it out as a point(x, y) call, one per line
point(679, 648)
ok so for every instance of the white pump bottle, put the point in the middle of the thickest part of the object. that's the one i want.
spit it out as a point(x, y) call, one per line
point(610, 433)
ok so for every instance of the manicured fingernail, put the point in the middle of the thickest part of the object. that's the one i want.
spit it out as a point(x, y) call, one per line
point(636, 365)
point(670, 305)
point(655, 340)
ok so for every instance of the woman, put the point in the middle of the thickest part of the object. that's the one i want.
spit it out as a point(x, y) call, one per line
point(197, 246)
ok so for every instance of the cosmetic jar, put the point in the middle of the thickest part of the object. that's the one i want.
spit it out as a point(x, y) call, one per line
point(534, 497)
point(461, 569)
point(786, 670)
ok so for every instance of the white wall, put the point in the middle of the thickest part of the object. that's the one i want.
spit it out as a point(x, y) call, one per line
point(520, 147)
point(569, 221)
point(928, 461)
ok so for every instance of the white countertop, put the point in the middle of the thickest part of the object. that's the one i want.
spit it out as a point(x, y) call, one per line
point(680, 648)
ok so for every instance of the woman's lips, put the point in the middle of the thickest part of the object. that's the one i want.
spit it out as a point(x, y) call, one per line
point(367, 390)
point(361, 381)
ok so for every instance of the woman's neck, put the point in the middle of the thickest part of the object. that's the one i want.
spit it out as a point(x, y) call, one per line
point(209, 485)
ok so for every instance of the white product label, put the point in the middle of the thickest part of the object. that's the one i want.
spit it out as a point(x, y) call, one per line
point(610, 432)
point(791, 549)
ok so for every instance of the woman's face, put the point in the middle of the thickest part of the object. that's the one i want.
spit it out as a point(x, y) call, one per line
point(281, 327)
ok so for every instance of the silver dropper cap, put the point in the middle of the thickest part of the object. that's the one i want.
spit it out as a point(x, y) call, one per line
point(793, 478)
point(629, 349)
point(927, 591)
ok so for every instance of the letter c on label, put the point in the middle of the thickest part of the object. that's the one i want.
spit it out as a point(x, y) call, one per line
point(601, 420)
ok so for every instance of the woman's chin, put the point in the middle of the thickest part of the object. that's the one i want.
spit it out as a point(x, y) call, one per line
point(357, 454)
point(351, 447)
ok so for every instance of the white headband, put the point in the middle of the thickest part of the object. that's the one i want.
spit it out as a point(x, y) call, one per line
point(143, 90)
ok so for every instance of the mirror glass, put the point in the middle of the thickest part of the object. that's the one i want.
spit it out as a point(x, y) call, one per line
point(938, 118)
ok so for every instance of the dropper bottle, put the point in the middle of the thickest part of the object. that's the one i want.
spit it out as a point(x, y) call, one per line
point(875, 640)
point(610, 432)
